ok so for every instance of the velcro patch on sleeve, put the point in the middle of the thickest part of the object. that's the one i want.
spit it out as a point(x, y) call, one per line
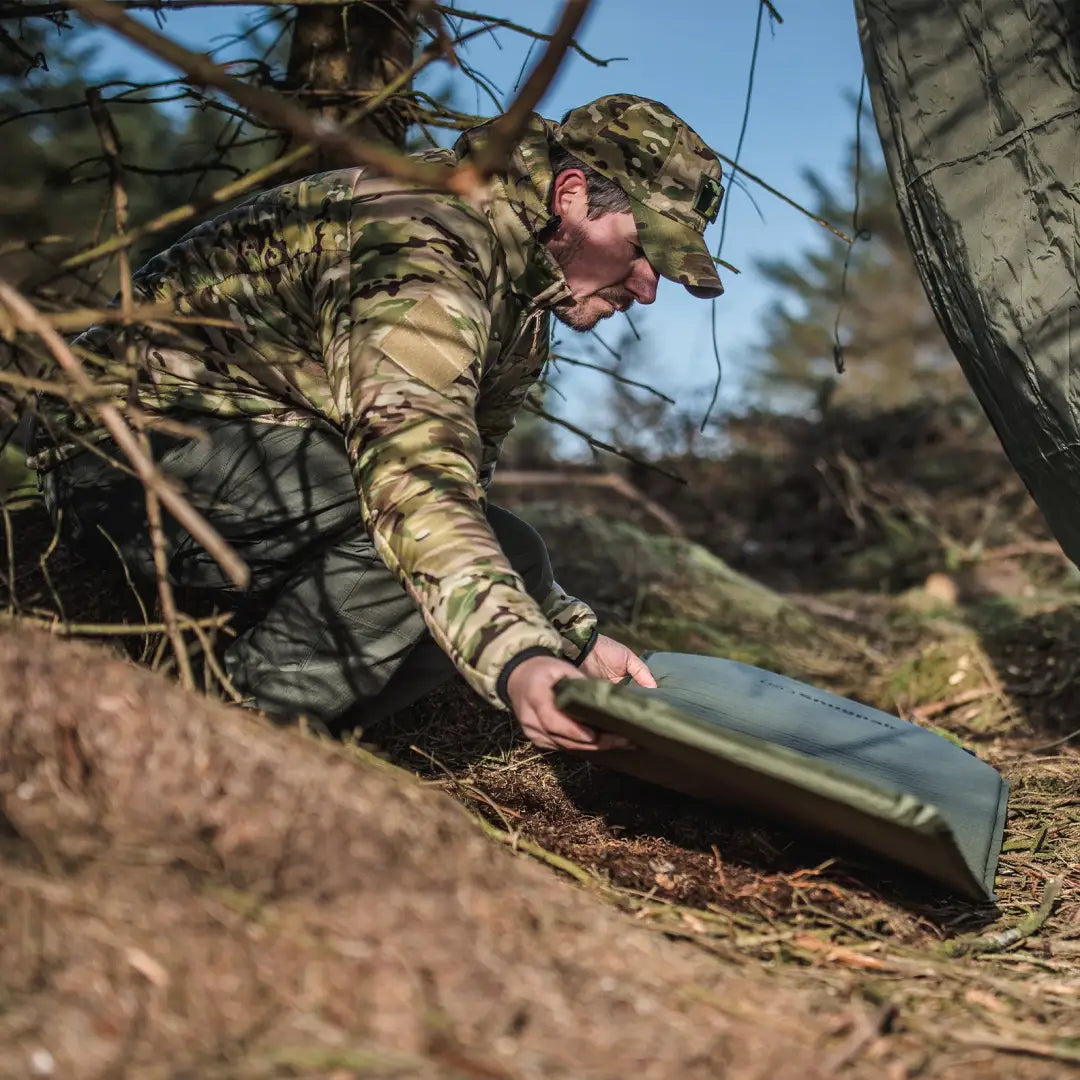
point(428, 345)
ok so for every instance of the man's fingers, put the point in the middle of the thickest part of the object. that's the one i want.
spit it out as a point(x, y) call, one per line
point(531, 689)
point(562, 729)
point(538, 738)
point(570, 735)
point(550, 729)
point(639, 671)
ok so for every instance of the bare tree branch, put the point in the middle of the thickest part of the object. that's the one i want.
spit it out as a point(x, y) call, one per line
point(110, 146)
point(599, 444)
point(612, 374)
point(772, 11)
point(506, 131)
point(69, 629)
point(565, 478)
point(60, 7)
point(275, 109)
point(491, 21)
point(786, 198)
point(236, 188)
point(28, 319)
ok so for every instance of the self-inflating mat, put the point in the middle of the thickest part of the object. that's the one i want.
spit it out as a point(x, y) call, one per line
point(737, 734)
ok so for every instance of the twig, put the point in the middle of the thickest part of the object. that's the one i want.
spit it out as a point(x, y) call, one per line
point(772, 11)
point(552, 477)
point(110, 146)
point(506, 131)
point(165, 594)
point(1027, 926)
point(139, 314)
point(29, 319)
point(239, 187)
point(599, 444)
point(212, 663)
point(43, 562)
point(63, 629)
point(518, 843)
point(1055, 1052)
point(134, 591)
point(562, 358)
point(276, 111)
point(839, 233)
point(9, 551)
point(11, 246)
point(936, 708)
point(505, 24)
point(714, 335)
point(463, 787)
point(1030, 547)
point(1050, 745)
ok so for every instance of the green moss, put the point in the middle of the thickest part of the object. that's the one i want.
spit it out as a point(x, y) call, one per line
point(16, 480)
point(930, 675)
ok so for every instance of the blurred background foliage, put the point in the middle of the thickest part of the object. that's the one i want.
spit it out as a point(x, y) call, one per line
point(893, 350)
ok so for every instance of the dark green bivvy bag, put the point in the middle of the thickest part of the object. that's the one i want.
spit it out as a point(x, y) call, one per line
point(737, 734)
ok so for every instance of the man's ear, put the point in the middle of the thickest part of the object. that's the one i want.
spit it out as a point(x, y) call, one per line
point(570, 195)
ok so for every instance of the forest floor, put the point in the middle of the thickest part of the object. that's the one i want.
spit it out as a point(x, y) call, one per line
point(947, 987)
point(188, 892)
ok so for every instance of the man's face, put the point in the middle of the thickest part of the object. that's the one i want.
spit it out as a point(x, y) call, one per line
point(604, 266)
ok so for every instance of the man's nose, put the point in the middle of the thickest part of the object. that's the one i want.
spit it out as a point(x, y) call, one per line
point(643, 281)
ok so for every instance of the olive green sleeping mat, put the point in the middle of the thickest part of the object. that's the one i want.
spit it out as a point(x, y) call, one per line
point(737, 734)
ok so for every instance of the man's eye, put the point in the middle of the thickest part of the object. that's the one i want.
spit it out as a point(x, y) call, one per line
point(639, 252)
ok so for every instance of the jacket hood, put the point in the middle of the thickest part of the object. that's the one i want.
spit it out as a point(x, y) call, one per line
point(519, 209)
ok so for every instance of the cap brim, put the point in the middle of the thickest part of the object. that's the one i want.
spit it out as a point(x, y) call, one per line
point(677, 251)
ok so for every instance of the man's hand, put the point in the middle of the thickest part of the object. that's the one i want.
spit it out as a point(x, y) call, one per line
point(610, 660)
point(531, 689)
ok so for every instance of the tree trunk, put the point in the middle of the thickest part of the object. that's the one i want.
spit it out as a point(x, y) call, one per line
point(338, 54)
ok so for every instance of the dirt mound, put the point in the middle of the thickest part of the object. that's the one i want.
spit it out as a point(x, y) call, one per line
point(187, 892)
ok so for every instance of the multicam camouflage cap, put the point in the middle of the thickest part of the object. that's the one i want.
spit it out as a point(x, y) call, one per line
point(667, 170)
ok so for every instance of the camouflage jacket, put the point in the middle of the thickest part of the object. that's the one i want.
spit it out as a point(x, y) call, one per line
point(412, 322)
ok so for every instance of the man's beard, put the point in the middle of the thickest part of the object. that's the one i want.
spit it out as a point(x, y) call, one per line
point(583, 313)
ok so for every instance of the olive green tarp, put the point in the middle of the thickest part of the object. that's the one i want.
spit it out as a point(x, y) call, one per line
point(977, 104)
point(737, 734)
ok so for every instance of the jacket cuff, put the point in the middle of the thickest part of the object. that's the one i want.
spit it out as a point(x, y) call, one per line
point(588, 648)
point(508, 667)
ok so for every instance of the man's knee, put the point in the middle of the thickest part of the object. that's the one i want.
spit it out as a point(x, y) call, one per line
point(525, 548)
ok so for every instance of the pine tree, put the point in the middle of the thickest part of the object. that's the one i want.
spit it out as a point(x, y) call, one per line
point(893, 349)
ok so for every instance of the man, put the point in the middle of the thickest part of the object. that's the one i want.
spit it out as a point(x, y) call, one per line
point(349, 425)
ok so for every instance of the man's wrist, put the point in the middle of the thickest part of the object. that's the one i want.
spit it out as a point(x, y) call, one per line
point(503, 680)
point(587, 648)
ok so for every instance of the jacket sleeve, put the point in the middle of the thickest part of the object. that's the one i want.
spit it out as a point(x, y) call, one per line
point(572, 618)
point(405, 325)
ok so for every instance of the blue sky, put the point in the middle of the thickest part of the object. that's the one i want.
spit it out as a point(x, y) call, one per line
point(694, 55)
